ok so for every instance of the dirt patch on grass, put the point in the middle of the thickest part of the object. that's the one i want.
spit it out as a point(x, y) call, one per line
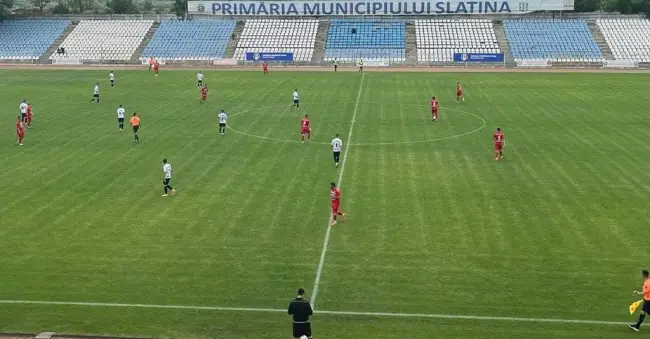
point(328, 69)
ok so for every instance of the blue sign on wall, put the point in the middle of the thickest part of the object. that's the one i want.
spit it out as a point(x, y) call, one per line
point(479, 57)
point(268, 56)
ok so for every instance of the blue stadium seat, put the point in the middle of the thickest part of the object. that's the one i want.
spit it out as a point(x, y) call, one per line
point(29, 39)
point(558, 40)
point(374, 39)
point(190, 40)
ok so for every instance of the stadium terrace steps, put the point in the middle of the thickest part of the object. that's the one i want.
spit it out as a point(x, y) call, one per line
point(22, 40)
point(557, 40)
point(297, 36)
point(45, 58)
point(600, 40)
point(500, 33)
point(105, 40)
point(232, 43)
point(411, 45)
point(319, 46)
point(628, 39)
point(438, 40)
point(349, 40)
point(135, 58)
point(190, 40)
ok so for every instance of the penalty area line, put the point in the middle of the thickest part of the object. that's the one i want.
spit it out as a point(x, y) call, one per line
point(328, 232)
point(325, 312)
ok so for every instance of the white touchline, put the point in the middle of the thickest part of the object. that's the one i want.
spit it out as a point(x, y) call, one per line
point(348, 313)
point(321, 262)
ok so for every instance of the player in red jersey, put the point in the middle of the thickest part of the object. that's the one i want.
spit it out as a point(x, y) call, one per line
point(265, 67)
point(204, 93)
point(29, 116)
point(335, 194)
point(434, 109)
point(20, 131)
point(498, 144)
point(459, 92)
point(305, 129)
point(156, 67)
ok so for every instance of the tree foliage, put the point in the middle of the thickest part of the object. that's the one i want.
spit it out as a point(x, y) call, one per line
point(122, 6)
point(180, 7)
point(5, 8)
point(147, 6)
point(622, 6)
point(40, 4)
point(61, 7)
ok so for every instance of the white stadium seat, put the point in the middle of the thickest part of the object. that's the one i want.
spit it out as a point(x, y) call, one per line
point(628, 39)
point(278, 35)
point(438, 40)
point(105, 39)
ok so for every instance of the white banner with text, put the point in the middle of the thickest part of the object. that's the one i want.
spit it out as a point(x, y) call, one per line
point(374, 7)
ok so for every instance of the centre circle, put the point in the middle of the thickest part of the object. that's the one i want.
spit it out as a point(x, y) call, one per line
point(454, 123)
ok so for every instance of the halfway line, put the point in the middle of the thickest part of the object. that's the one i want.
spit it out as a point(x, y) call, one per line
point(347, 313)
point(321, 262)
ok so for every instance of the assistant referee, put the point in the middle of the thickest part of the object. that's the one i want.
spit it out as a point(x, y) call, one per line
point(300, 310)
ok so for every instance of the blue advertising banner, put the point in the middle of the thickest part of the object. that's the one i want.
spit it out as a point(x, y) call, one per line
point(478, 57)
point(268, 56)
point(372, 7)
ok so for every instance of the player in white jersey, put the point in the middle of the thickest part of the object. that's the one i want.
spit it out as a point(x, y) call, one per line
point(167, 177)
point(95, 93)
point(296, 99)
point(111, 79)
point(23, 111)
point(199, 79)
point(337, 145)
point(120, 117)
point(223, 117)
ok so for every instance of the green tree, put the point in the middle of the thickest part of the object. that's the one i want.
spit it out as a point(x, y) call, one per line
point(147, 6)
point(587, 5)
point(40, 4)
point(180, 7)
point(61, 7)
point(5, 8)
point(122, 6)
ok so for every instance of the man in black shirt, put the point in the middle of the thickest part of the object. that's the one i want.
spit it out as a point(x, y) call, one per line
point(300, 310)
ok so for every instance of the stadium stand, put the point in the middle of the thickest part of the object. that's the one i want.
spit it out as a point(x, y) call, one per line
point(296, 36)
point(628, 39)
point(438, 40)
point(28, 39)
point(105, 39)
point(556, 40)
point(190, 40)
point(349, 40)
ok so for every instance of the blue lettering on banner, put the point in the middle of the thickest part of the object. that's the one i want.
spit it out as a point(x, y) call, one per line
point(339, 7)
point(479, 57)
point(268, 56)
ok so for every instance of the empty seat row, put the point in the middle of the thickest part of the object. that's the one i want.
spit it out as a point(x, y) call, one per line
point(439, 40)
point(349, 40)
point(190, 40)
point(628, 39)
point(278, 35)
point(105, 39)
point(559, 40)
point(29, 39)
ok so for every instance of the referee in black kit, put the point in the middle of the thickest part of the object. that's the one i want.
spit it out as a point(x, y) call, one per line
point(300, 310)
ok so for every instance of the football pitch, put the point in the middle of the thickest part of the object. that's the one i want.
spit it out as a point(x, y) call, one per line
point(441, 240)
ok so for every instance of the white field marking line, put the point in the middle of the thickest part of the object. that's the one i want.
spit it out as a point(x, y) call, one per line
point(347, 313)
point(321, 262)
point(455, 136)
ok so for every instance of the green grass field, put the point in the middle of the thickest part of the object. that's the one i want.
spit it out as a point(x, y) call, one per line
point(436, 227)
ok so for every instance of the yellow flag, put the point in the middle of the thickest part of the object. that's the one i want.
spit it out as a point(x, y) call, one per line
point(634, 306)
